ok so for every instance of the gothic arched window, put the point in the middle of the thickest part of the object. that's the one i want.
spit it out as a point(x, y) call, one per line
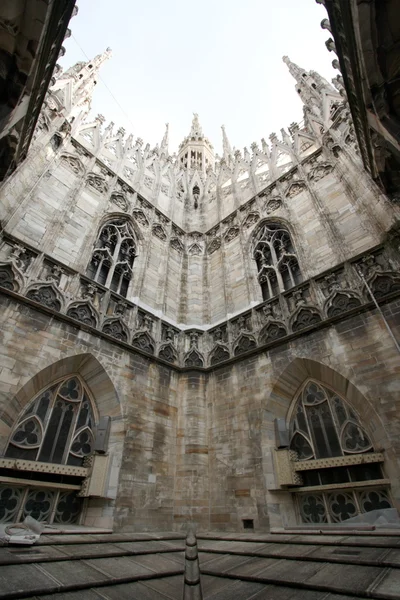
point(56, 427)
point(113, 256)
point(277, 265)
point(324, 426)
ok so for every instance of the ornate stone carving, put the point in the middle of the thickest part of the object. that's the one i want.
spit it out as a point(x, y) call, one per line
point(129, 173)
point(177, 244)
point(195, 250)
point(242, 323)
point(194, 359)
point(143, 341)
point(140, 217)
point(271, 312)
point(244, 344)
point(194, 339)
point(272, 331)
point(73, 163)
point(180, 191)
point(165, 189)
point(7, 279)
point(168, 333)
point(330, 284)
point(97, 182)
point(370, 265)
point(220, 334)
point(272, 205)
point(251, 220)
point(124, 188)
point(177, 232)
point(305, 317)
point(384, 284)
point(320, 171)
point(213, 232)
point(120, 200)
point(158, 231)
point(116, 329)
point(83, 313)
point(55, 274)
point(231, 234)
point(148, 182)
point(120, 308)
point(45, 295)
point(161, 218)
point(341, 302)
point(167, 352)
point(21, 257)
point(295, 188)
point(219, 354)
point(89, 291)
point(213, 245)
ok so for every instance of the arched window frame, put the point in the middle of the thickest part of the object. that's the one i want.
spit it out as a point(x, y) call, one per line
point(113, 255)
point(46, 423)
point(342, 414)
point(335, 489)
point(276, 258)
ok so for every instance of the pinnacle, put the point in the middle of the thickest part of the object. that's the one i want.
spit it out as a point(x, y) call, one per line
point(196, 130)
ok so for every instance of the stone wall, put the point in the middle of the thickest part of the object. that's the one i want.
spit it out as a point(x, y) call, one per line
point(331, 208)
point(198, 445)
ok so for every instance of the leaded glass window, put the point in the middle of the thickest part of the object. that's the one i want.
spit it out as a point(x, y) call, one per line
point(57, 426)
point(339, 505)
point(113, 256)
point(43, 504)
point(275, 256)
point(324, 425)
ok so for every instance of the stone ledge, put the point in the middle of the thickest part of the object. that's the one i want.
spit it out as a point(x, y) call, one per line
point(232, 359)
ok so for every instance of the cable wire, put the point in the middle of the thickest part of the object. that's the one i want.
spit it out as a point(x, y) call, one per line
point(105, 85)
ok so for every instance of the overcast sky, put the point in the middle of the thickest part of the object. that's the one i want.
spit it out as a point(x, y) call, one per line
point(219, 58)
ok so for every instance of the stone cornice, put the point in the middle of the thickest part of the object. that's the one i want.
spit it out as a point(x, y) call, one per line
point(315, 304)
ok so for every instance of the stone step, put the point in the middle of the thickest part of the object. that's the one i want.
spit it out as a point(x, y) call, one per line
point(347, 579)
point(55, 577)
point(281, 566)
point(362, 555)
point(350, 539)
point(89, 538)
point(47, 553)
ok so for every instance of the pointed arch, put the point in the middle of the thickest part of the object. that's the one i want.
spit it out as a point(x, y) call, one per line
point(275, 255)
point(299, 370)
point(101, 390)
point(35, 426)
point(114, 253)
point(335, 437)
point(57, 426)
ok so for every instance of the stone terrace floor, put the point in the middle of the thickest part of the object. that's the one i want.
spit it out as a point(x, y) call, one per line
point(276, 566)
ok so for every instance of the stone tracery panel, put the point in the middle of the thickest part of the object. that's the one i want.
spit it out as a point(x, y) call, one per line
point(275, 256)
point(113, 256)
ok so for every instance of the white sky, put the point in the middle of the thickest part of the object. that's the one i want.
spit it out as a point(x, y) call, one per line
point(219, 58)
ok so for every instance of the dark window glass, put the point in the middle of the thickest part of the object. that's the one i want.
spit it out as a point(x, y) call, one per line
point(58, 421)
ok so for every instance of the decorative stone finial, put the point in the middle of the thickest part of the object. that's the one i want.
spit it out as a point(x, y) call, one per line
point(227, 150)
point(192, 585)
point(196, 130)
point(165, 140)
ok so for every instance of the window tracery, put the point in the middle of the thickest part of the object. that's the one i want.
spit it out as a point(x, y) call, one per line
point(56, 427)
point(275, 256)
point(113, 256)
point(324, 426)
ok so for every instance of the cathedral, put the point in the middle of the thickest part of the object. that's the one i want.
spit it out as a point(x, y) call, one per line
point(189, 338)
